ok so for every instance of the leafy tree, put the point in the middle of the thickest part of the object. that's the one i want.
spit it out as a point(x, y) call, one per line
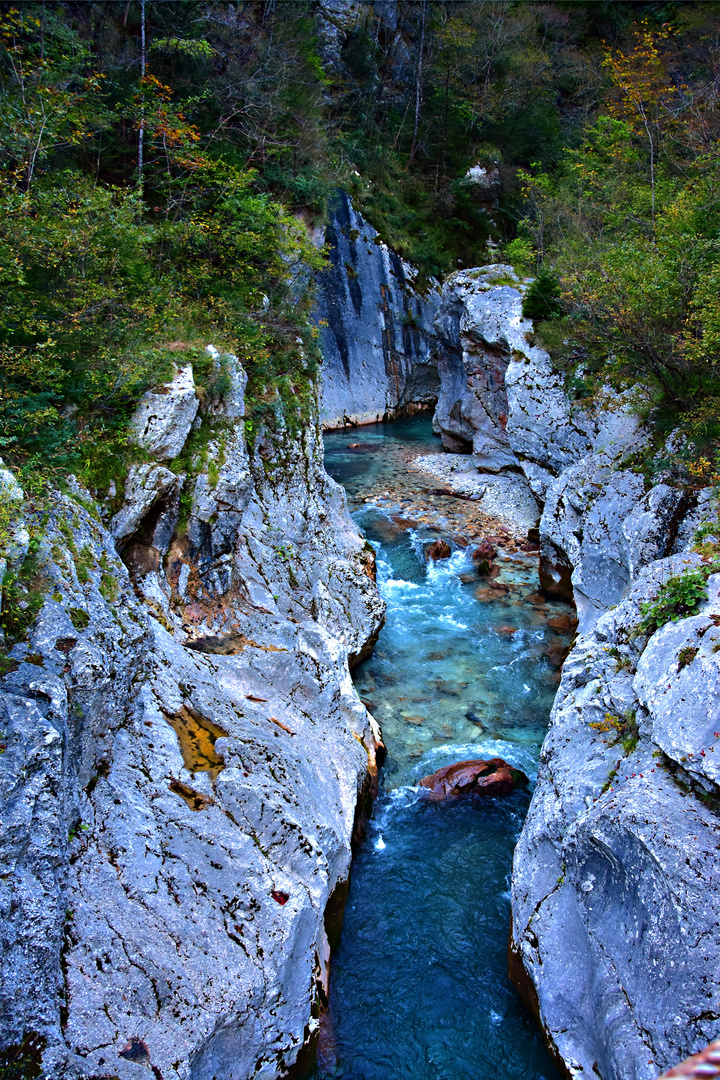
point(630, 223)
point(104, 285)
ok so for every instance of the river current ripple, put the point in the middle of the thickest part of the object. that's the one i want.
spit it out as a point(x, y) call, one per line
point(419, 987)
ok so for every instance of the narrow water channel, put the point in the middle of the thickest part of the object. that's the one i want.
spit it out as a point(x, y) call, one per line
point(419, 985)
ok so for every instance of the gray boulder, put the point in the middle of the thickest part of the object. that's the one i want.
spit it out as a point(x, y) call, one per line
point(162, 421)
point(145, 485)
point(615, 890)
point(601, 523)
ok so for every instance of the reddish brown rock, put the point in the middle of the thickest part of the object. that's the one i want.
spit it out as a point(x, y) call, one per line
point(562, 624)
point(492, 777)
point(439, 549)
point(485, 550)
point(556, 651)
point(495, 591)
point(506, 631)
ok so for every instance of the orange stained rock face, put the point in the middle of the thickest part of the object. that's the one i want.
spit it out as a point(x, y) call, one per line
point(197, 735)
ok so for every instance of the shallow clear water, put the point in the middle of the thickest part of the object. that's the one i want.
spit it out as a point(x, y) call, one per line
point(419, 983)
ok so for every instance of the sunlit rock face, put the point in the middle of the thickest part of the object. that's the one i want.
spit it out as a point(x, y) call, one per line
point(184, 754)
point(616, 888)
point(376, 327)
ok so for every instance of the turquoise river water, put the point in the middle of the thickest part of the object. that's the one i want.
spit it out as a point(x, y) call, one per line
point(419, 987)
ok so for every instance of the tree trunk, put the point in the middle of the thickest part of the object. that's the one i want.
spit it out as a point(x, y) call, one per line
point(141, 132)
point(418, 85)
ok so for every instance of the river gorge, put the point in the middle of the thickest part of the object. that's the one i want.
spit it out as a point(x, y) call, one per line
point(359, 540)
point(188, 764)
point(419, 984)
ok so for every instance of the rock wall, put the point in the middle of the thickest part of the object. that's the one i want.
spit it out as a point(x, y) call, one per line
point(615, 889)
point(479, 325)
point(376, 328)
point(185, 756)
point(501, 400)
point(616, 886)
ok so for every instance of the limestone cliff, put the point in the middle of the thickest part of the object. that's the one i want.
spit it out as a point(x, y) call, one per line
point(184, 753)
point(615, 890)
point(500, 399)
point(376, 327)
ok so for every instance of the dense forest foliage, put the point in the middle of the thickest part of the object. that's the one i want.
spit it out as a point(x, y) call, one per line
point(160, 161)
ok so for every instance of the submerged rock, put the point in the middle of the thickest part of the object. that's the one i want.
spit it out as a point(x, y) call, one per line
point(495, 591)
point(492, 777)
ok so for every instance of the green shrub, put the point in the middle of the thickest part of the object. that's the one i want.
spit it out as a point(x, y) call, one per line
point(624, 730)
point(542, 299)
point(521, 255)
point(23, 594)
point(79, 618)
point(677, 598)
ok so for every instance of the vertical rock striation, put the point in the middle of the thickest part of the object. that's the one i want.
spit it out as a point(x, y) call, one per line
point(376, 327)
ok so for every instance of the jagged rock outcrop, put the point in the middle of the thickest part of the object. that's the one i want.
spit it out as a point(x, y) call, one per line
point(616, 889)
point(615, 893)
point(184, 759)
point(162, 421)
point(479, 324)
point(601, 522)
point(376, 327)
point(501, 400)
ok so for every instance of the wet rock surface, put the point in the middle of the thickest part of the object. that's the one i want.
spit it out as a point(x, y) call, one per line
point(376, 327)
point(158, 794)
point(488, 778)
point(438, 549)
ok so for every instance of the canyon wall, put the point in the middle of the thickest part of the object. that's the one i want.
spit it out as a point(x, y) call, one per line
point(376, 327)
point(185, 759)
point(600, 521)
point(615, 888)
